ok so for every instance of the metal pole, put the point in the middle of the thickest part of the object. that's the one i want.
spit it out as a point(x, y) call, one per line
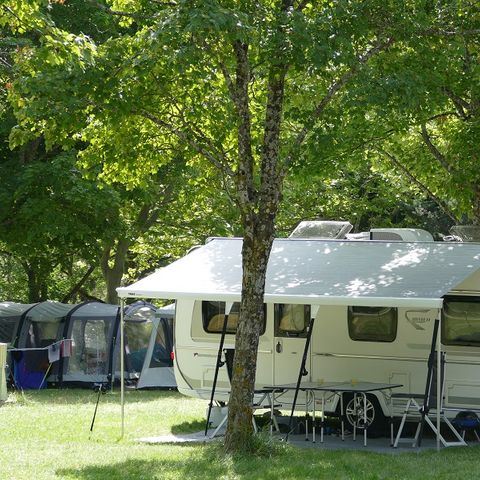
point(219, 363)
point(303, 371)
point(439, 376)
point(428, 392)
point(122, 366)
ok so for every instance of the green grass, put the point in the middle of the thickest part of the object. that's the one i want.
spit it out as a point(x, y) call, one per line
point(46, 435)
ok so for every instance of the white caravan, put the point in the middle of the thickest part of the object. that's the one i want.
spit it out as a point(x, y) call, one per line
point(375, 304)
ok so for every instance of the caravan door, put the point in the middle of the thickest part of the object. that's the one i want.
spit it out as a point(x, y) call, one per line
point(290, 325)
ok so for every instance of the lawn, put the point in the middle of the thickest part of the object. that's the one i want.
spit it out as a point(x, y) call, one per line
point(46, 435)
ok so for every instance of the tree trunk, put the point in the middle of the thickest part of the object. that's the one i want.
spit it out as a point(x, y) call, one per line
point(113, 270)
point(259, 207)
point(37, 285)
point(257, 243)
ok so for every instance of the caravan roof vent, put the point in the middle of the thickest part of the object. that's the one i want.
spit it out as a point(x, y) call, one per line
point(321, 229)
point(466, 233)
point(401, 234)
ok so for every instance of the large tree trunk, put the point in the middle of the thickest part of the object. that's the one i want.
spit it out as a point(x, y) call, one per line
point(37, 284)
point(113, 269)
point(257, 243)
point(259, 207)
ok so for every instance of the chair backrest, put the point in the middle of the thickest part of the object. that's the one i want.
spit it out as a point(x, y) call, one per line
point(229, 354)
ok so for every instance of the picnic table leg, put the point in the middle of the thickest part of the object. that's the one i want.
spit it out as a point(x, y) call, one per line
point(364, 419)
point(312, 394)
point(342, 417)
point(322, 424)
point(306, 415)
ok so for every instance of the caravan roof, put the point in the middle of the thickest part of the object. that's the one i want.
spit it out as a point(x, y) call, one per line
point(320, 272)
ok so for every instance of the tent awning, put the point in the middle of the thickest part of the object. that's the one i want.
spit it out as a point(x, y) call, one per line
point(320, 272)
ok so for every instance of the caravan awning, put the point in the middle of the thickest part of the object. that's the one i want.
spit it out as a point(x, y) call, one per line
point(320, 272)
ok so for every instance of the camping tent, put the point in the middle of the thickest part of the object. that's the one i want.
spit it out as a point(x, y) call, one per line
point(39, 331)
point(10, 317)
point(158, 365)
point(92, 353)
point(92, 327)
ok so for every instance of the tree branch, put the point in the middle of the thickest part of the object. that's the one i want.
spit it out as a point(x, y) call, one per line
point(334, 88)
point(245, 155)
point(419, 184)
point(461, 105)
point(302, 5)
point(434, 150)
point(220, 163)
point(271, 140)
point(76, 289)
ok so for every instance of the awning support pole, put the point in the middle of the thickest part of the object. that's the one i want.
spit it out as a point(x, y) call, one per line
point(426, 396)
point(302, 372)
point(440, 377)
point(219, 363)
point(122, 365)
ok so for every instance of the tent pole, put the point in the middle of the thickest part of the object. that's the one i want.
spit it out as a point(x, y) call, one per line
point(439, 375)
point(122, 367)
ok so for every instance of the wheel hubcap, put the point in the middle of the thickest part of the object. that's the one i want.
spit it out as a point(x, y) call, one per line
point(355, 412)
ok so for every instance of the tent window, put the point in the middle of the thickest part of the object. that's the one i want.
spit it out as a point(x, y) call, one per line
point(42, 334)
point(291, 320)
point(213, 314)
point(461, 324)
point(372, 324)
point(161, 356)
point(138, 335)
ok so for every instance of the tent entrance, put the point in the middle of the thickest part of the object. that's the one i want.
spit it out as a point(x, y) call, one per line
point(158, 365)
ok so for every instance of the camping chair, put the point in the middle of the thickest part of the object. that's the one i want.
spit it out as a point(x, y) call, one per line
point(260, 404)
point(426, 404)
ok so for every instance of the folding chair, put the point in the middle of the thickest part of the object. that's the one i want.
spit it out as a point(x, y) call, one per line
point(265, 395)
point(425, 405)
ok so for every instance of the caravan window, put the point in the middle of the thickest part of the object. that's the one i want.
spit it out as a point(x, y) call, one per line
point(372, 324)
point(213, 315)
point(291, 320)
point(461, 324)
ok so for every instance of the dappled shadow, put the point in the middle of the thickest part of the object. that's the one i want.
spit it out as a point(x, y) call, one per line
point(209, 462)
point(140, 469)
point(199, 462)
point(195, 466)
point(319, 268)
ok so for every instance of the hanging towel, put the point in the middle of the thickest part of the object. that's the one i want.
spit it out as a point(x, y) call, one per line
point(66, 347)
point(53, 353)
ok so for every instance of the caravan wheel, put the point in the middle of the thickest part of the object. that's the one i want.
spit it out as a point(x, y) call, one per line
point(354, 411)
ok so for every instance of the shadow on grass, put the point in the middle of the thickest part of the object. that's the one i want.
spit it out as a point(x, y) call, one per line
point(188, 427)
point(208, 462)
point(146, 469)
point(202, 463)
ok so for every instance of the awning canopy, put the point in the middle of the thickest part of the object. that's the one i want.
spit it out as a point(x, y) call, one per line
point(320, 272)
